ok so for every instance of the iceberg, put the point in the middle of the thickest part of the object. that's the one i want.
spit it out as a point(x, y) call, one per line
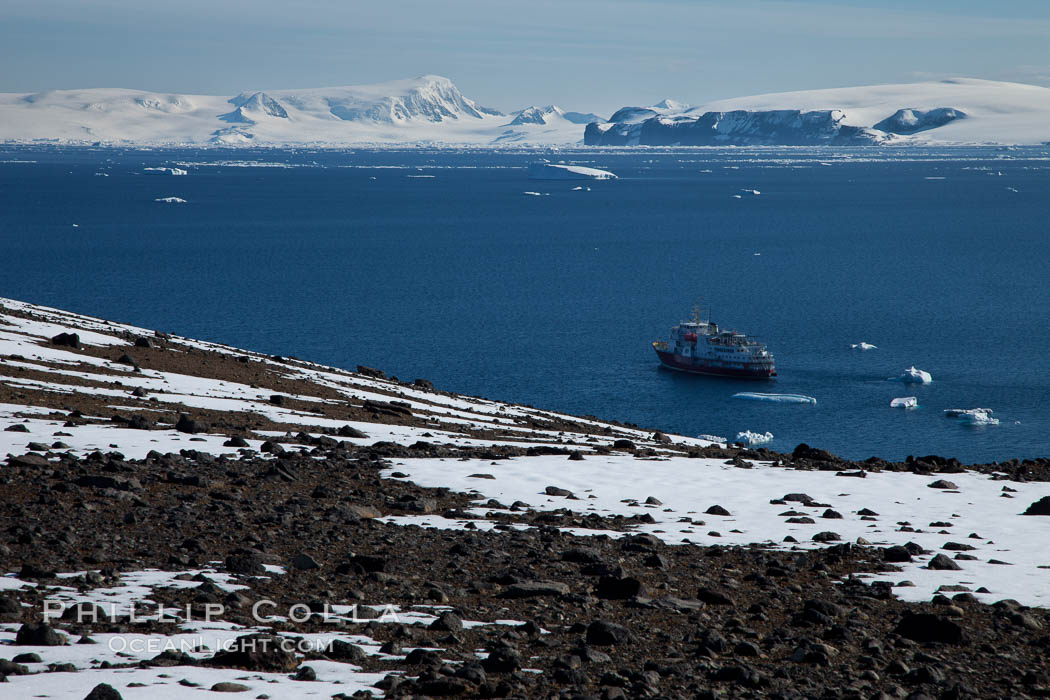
point(906, 402)
point(774, 398)
point(749, 438)
point(863, 346)
point(543, 170)
point(972, 416)
point(913, 376)
point(170, 200)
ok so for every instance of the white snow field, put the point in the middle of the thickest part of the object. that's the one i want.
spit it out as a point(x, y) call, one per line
point(431, 110)
point(428, 109)
point(1011, 557)
point(975, 509)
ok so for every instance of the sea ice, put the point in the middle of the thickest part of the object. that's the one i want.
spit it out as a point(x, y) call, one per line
point(863, 346)
point(774, 398)
point(173, 171)
point(972, 416)
point(750, 191)
point(913, 376)
point(749, 438)
point(170, 200)
point(534, 194)
point(542, 170)
point(906, 402)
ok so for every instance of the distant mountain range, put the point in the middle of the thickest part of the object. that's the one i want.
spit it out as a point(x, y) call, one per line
point(431, 109)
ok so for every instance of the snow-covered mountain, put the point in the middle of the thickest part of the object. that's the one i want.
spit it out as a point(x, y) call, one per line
point(960, 110)
point(431, 109)
point(425, 109)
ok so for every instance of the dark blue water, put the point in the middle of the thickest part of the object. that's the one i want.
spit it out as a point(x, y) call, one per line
point(554, 300)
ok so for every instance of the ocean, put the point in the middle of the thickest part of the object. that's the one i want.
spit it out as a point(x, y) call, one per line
point(434, 263)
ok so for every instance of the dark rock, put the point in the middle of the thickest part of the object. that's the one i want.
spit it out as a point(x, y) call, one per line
point(535, 589)
point(615, 588)
point(623, 444)
point(256, 652)
point(235, 442)
point(827, 536)
point(247, 563)
point(371, 372)
point(555, 491)
point(896, 553)
point(103, 691)
point(1040, 507)
point(186, 424)
point(603, 633)
point(345, 651)
point(713, 597)
point(942, 484)
point(16, 428)
point(304, 562)
point(350, 432)
point(926, 627)
point(447, 622)
point(305, 673)
point(38, 634)
point(717, 510)
point(228, 687)
point(69, 340)
point(943, 563)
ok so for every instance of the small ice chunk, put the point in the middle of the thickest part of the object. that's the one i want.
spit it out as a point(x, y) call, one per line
point(533, 194)
point(736, 196)
point(863, 346)
point(906, 402)
point(913, 376)
point(751, 192)
point(170, 200)
point(972, 416)
point(749, 438)
point(774, 398)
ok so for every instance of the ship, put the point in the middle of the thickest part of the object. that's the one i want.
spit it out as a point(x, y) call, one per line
point(699, 347)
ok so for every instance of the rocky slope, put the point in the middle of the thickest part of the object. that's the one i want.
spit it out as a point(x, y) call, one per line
point(161, 475)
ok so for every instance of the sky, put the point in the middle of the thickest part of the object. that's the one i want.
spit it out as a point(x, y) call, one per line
point(586, 55)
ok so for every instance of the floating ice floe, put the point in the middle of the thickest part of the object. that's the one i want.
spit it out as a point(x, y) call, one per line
point(907, 402)
point(913, 376)
point(533, 194)
point(542, 170)
point(774, 398)
point(972, 416)
point(749, 438)
point(173, 171)
point(751, 192)
point(170, 200)
point(863, 346)
point(736, 196)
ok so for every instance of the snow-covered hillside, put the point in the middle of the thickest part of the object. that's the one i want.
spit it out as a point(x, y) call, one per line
point(425, 109)
point(962, 111)
point(431, 109)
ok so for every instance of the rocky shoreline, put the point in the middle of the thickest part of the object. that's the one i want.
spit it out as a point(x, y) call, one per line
point(153, 473)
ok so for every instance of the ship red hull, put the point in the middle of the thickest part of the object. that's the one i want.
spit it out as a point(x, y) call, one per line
point(673, 361)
